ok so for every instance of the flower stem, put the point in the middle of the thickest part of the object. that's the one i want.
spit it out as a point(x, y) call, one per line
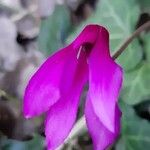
point(130, 39)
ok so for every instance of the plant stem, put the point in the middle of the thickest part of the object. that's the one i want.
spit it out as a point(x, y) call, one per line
point(130, 39)
point(78, 129)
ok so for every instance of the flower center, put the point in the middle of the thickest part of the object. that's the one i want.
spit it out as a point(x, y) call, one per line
point(86, 48)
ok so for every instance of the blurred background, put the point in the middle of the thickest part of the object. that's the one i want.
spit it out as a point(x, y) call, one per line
point(31, 30)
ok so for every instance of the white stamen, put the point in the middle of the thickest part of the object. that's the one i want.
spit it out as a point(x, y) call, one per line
point(79, 52)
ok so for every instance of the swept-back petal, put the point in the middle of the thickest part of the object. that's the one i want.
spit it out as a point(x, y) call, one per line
point(105, 78)
point(43, 89)
point(62, 114)
point(102, 137)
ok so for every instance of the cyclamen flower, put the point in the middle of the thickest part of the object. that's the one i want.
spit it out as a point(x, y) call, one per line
point(57, 85)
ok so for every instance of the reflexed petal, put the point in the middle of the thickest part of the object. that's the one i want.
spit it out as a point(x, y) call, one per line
point(43, 89)
point(102, 137)
point(105, 78)
point(62, 114)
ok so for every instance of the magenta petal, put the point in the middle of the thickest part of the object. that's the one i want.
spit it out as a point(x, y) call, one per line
point(87, 36)
point(60, 120)
point(105, 78)
point(62, 114)
point(102, 137)
point(43, 89)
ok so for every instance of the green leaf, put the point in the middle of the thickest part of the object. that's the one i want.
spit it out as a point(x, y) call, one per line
point(54, 30)
point(145, 5)
point(136, 85)
point(146, 39)
point(120, 18)
point(135, 133)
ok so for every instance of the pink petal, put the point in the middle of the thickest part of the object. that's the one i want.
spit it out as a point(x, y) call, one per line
point(62, 114)
point(105, 78)
point(43, 89)
point(102, 137)
point(87, 36)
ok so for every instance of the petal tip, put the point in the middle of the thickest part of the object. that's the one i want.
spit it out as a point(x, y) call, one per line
point(28, 116)
point(111, 127)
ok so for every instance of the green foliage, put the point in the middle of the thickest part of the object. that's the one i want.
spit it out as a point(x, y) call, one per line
point(145, 5)
point(135, 131)
point(54, 30)
point(35, 144)
point(120, 18)
point(146, 39)
point(136, 85)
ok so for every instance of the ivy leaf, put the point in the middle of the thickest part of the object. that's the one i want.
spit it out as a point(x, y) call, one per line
point(135, 131)
point(136, 85)
point(120, 18)
point(145, 5)
point(53, 30)
point(146, 39)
